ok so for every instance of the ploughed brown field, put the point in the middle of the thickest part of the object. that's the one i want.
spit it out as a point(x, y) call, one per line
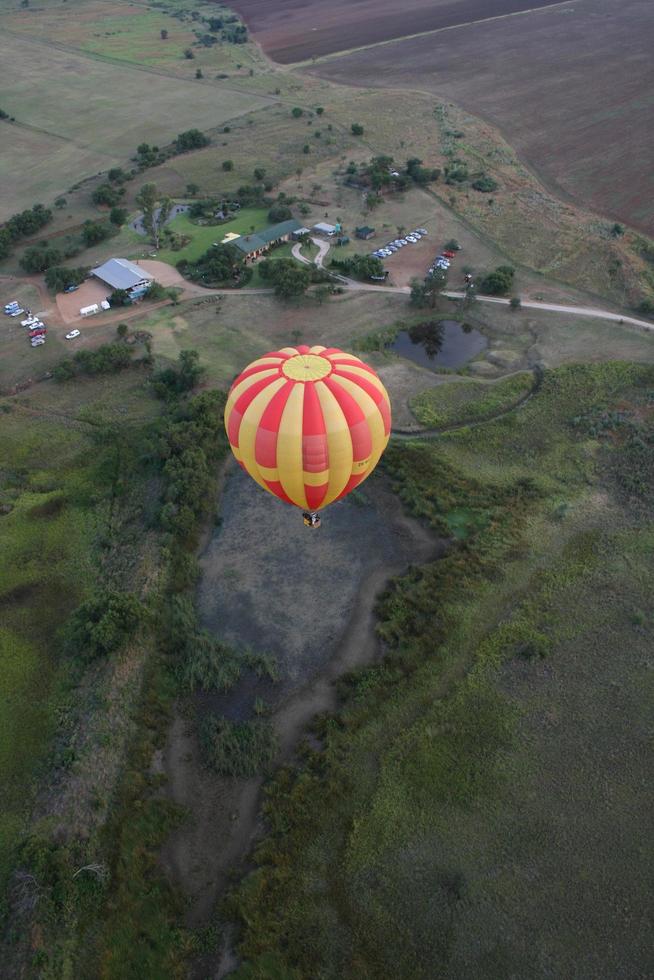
point(570, 86)
point(293, 30)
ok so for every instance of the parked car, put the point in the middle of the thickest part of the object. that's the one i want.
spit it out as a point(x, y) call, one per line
point(38, 341)
point(412, 239)
point(17, 312)
point(71, 288)
point(72, 334)
point(10, 307)
point(449, 254)
point(38, 333)
point(423, 231)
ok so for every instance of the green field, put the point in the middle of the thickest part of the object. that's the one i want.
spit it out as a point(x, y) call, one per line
point(203, 236)
point(459, 402)
point(82, 109)
point(489, 750)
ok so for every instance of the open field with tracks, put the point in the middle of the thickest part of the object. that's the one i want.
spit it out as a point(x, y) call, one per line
point(569, 87)
point(294, 30)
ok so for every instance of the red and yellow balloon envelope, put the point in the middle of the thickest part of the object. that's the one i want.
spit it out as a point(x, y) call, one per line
point(309, 424)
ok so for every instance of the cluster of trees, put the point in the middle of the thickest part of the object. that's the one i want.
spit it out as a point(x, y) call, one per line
point(419, 174)
point(107, 359)
point(22, 225)
point(288, 278)
point(498, 282)
point(360, 267)
point(156, 211)
point(188, 448)
point(38, 258)
point(219, 266)
point(171, 382)
point(191, 139)
point(94, 232)
point(57, 277)
point(425, 292)
point(485, 184)
point(107, 194)
point(102, 624)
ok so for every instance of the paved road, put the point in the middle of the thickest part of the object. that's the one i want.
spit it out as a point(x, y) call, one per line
point(323, 248)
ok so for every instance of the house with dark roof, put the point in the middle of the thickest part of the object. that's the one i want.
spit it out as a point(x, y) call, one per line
point(123, 274)
point(254, 245)
point(365, 232)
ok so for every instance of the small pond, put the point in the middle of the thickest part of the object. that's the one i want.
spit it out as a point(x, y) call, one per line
point(439, 343)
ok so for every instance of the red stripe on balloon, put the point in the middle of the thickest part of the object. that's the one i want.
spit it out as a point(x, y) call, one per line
point(275, 487)
point(265, 445)
point(315, 495)
point(376, 395)
point(351, 484)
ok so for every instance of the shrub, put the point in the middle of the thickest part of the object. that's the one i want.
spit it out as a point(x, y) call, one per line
point(94, 232)
point(228, 165)
point(191, 139)
point(485, 184)
point(515, 303)
point(118, 216)
point(357, 129)
point(279, 212)
point(38, 259)
point(296, 112)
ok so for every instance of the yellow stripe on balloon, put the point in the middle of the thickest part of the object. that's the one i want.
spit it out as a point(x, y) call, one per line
point(247, 433)
point(339, 443)
point(289, 447)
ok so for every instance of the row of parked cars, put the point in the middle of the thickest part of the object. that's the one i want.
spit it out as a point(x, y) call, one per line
point(36, 328)
point(442, 262)
point(411, 239)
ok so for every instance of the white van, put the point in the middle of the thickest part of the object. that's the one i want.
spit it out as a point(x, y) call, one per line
point(89, 310)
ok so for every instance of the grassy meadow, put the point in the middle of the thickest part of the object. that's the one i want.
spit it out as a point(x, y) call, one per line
point(474, 772)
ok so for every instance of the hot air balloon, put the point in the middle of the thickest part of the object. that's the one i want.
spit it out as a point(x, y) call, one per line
point(309, 424)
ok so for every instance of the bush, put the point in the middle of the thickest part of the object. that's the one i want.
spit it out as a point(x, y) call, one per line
point(296, 112)
point(288, 278)
point(357, 129)
point(107, 359)
point(107, 195)
point(485, 184)
point(362, 267)
point(118, 216)
point(515, 303)
point(227, 165)
point(191, 139)
point(120, 297)
point(102, 624)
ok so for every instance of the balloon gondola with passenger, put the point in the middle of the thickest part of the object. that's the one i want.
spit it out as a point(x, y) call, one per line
point(309, 424)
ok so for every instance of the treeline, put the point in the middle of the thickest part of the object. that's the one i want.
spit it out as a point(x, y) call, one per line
point(22, 225)
point(219, 266)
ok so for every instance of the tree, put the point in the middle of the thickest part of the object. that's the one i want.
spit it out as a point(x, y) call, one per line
point(57, 277)
point(103, 623)
point(118, 216)
point(321, 293)
point(173, 381)
point(120, 297)
point(357, 129)
point(279, 212)
point(515, 303)
point(60, 202)
point(154, 217)
point(259, 173)
point(122, 330)
point(198, 73)
point(106, 194)
point(188, 53)
point(306, 148)
point(288, 278)
point(164, 34)
point(498, 282)
point(452, 245)
point(94, 232)
point(319, 110)
point(296, 112)
point(228, 165)
point(617, 230)
point(192, 189)
point(425, 292)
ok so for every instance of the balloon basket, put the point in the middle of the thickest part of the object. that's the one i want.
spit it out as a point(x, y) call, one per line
point(310, 519)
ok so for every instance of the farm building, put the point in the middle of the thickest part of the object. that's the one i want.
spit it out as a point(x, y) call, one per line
point(123, 274)
point(252, 246)
point(322, 228)
point(299, 232)
point(364, 232)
